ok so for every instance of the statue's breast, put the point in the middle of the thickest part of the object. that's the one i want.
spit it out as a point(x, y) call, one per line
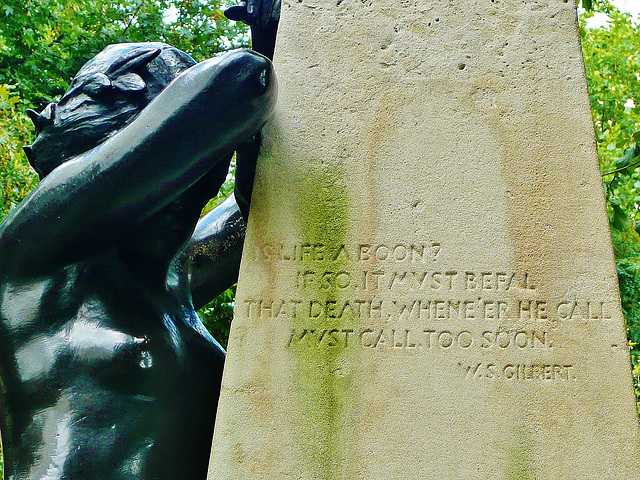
point(101, 373)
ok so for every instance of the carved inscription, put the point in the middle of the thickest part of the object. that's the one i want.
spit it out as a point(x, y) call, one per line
point(425, 310)
point(405, 338)
point(399, 297)
point(414, 281)
point(518, 371)
point(363, 252)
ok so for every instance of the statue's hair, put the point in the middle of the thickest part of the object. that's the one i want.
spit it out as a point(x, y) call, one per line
point(105, 95)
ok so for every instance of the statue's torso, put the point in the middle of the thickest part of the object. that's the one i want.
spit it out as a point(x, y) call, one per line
point(104, 375)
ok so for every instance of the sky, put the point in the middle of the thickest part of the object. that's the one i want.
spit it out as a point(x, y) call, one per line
point(598, 20)
point(629, 6)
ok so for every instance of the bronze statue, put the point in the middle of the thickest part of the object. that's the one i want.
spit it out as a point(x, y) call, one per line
point(106, 370)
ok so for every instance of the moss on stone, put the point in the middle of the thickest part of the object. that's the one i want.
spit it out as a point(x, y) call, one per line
point(324, 211)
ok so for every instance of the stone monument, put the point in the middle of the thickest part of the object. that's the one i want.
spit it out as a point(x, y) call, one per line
point(428, 287)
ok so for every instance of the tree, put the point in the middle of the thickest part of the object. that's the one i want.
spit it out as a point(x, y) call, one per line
point(612, 59)
point(16, 178)
point(43, 43)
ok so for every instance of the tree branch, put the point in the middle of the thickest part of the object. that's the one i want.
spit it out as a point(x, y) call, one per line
point(12, 63)
point(133, 17)
point(634, 164)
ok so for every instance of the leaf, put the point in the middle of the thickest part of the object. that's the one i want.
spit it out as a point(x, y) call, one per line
point(629, 156)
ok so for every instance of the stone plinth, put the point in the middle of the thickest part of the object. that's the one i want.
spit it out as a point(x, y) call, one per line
point(428, 287)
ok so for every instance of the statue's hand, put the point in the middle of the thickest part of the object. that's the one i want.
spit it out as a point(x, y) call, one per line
point(246, 159)
point(257, 13)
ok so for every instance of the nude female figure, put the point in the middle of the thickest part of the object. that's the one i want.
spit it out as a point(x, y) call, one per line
point(106, 371)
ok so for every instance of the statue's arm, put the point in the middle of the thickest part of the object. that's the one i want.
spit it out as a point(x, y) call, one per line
point(212, 256)
point(211, 259)
point(91, 201)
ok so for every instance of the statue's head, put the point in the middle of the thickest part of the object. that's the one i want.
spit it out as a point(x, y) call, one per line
point(105, 96)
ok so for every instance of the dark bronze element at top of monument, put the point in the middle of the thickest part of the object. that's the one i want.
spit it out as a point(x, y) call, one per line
point(106, 370)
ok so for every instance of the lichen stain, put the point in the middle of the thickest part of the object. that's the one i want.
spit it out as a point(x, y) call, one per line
point(519, 458)
point(325, 394)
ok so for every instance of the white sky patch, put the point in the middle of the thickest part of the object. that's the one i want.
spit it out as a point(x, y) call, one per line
point(598, 20)
point(629, 6)
point(629, 103)
point(170, 14)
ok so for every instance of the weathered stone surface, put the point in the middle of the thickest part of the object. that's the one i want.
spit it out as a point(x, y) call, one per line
point(428, 288)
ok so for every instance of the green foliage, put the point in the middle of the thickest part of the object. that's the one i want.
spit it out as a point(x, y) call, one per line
point(612, 61)
point(613, 70)
point(629, 278)
point(217, 315)
point(43, 43)
point(16, 177)
point(225, 189)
